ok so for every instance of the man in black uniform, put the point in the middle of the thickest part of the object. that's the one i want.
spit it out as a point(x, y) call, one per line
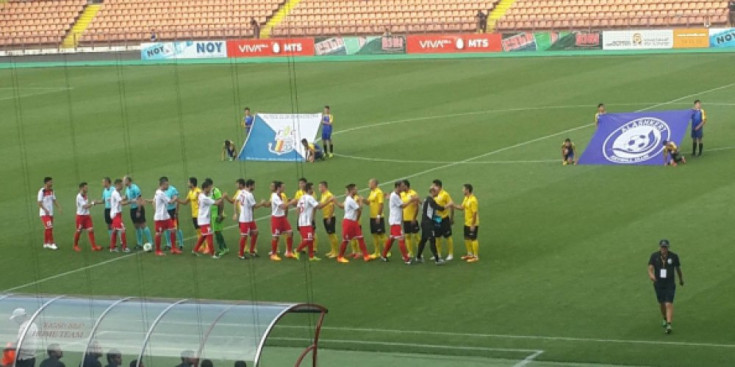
point(430, 225)
point(661, 268)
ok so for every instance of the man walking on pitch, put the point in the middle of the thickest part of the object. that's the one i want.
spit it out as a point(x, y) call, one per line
point(294, 202)
point(327, 121)
point(116, 204)
point(204, 218)
point(351, 224)
point(84, 220)
point(192, 199)
point(395, 220)
point(699, 119)
point(307, 207)
point(137, 212)
point(410, 218)
point(376, 201)
point(244, 205)
point(279, 222)
point(218, 217)
point(430, 224)
point(330, 224)
point(471, 222)
point(447, 219)
point(46, 203)
point(162, 218)
point(107, 190)
point(661, 266)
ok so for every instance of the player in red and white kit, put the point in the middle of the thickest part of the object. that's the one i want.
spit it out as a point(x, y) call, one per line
point(395, 220)
point(84, 220)
point(307, 207)
point(162, 218)
point(204, 218)
point(244, 204)
point(351, 225)
point(116, 204)
point(279, 222)
point(46, 204)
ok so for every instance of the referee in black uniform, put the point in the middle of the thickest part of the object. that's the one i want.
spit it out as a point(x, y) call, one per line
point(661, 268)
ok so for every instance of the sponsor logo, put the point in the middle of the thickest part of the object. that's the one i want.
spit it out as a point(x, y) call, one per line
point(636, 141)
point(587, 39)
point(722, 38)
point(284, 143)
point(431, 44)
point(453, 43)
point(272, 47)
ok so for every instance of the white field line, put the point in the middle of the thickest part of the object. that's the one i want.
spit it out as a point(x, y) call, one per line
point(440, 162)
point(389, 181)
point(412, 345)
point(33, 94)
point(529, 359)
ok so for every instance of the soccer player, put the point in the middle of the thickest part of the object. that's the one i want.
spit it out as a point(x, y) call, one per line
point(329, 221)
point(217, 222)
point(279, 221)
point(244, 204)
point(228, 151)
point(430, 225)
point(410, 218)
point(307, 207)
point(84, 220)
point(162, 218)
point(395, 220)
point(46, 203)
point(447, 219)
point(191, 198)
point(247, 121)
point(204, 218)
point(671, 154)
point(661, 267)
point(107, 190)
point(471, 222)
point(313, 151)
point(699, 118)
point(297, 195)
point(351, 224)
point(173, 211)
point(376, 201)
point(327, 122)
point(137, 212)
point(116, 203)
point(568, 152)
point(600, 111)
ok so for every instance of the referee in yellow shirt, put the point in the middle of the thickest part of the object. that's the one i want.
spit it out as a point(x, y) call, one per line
point(471, 223)
point(410, 218)
point(330, 225)
point(375, 201)
point(192, 197)
point(447, 216)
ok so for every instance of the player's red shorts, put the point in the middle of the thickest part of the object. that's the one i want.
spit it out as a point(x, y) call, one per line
point(279, 225)
point(351, 229)
point(206, 229)
point(117, 223)
point(396, 231)
point(48, 221)
point(246, 228)
point(84, 222)
point(307, 232)
point(162, 225)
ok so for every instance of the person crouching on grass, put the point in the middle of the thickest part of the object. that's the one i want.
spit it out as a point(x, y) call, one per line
point(228, 151)
point(313, 151)
point(672, 157)
point(568, 152)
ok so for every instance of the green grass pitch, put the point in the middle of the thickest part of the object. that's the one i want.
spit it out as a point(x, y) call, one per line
point(564, 249)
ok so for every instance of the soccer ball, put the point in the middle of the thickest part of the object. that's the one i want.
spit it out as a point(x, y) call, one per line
point(637, 142)
point(147, 247)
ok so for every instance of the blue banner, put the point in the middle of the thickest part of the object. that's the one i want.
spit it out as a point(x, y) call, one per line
point(183, 50)
point(635, 138)
point(277, 137)
point(721, 38)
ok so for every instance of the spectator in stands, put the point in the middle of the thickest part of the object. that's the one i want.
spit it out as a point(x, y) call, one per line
point(54, 356)
point(256, 28)
point(481, 21)
point(154, 36)
point(731, 6)
point(387, 32)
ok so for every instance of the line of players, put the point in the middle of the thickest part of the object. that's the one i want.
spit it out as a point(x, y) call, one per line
point(434, 222)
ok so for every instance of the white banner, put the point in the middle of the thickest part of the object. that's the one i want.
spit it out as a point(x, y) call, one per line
point(638, 40)
point(183, 50)
point(277, 137)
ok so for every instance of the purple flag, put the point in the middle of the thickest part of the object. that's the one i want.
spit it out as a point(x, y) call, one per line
point(635, 138)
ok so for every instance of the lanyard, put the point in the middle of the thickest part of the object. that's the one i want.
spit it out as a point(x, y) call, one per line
point(663, 261)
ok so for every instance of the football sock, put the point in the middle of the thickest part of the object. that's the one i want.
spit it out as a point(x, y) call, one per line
point(168, 239)
point(253, 241)
point(416, 239)
point(376, 245)
point(180, 238)
point(694, 148)
point(342, 249)
point(220, 240)
point(331, 148)
point(157, 241)
point(243, 241)
point(450, 246)
point(434, 250)
point(404, 251)
point(361, 243)
point(109, 233)
point(113, 239)
point(76, 238)
point(476, 248)
point(172, 236)
point(289, 243)
point(325, 149)
point(701, 145)
point(124, 239)
point(50, 233)
point(274, 246)
point(210, 244)
point(315, 241)
point(147, 233)
point(334, 243)
point(386, 248)
point(468, 246)
point(199, 233)
point(420, 249)
point(438, 246)
point(409, 244)
point(139, 236)
point(92, 242)
point(353, 244)
point(198, 245)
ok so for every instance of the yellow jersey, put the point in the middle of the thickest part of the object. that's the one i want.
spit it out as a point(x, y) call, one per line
point(376, 199)
point(443, 199)
point(298, 194)
point(193, 197)
point(671, 148)
point(328, 210)
point(410, 212)
point(470, 209)
point(571, 147)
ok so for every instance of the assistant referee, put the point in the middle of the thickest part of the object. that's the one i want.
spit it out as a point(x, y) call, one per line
point(661, 268)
